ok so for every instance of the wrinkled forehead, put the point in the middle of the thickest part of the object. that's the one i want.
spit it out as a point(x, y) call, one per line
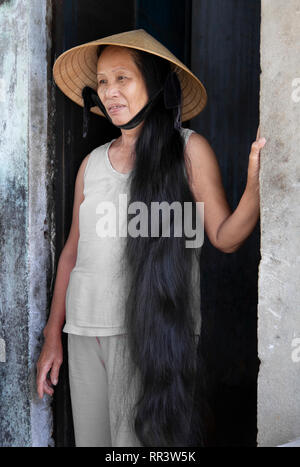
point(114, 56)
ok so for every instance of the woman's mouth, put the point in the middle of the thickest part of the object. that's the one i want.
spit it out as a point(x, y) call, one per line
point(115, 108)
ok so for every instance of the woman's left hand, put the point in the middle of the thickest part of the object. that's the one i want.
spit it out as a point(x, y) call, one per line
point(254, 159)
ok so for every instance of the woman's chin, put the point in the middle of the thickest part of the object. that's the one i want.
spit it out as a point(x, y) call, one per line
point(119, 120)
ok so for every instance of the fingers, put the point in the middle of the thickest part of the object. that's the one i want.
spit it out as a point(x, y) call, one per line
point(260, 140)
point(42, 385)
point(48, 367)
point(55, 372)
point(48, 389)
point(258, 134)
point(258, 145)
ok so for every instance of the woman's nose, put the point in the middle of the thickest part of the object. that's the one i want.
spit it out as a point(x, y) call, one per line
point(111, 90)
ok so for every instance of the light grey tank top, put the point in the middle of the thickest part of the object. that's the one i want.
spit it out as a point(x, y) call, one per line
point(95, 296)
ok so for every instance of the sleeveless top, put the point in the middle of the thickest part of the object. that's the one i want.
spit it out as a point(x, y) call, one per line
point(95, 295)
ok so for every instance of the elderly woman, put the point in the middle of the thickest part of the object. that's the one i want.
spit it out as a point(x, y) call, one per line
point(132, 301)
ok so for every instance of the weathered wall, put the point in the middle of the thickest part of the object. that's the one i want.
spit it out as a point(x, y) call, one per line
point(24, 240)
point(279, 272)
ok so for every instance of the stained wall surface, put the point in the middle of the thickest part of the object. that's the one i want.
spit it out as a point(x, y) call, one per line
point(25, 259)
point(278, 407)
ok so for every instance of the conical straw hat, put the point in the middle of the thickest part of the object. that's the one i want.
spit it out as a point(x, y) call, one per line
point(77, 68)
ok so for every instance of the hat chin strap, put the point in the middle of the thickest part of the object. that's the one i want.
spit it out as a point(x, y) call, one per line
point(172, 100)
point(91, 99)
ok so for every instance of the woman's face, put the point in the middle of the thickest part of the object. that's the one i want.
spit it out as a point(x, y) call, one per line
point(120, 84)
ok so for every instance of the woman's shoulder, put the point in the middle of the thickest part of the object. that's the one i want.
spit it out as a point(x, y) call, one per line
point(186, 132)
point(92, 160)
point(98, 153)
point(193, 140)
point(201, 158)
point(100, 149)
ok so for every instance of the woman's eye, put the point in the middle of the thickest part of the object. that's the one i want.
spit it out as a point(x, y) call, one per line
point(103, 81)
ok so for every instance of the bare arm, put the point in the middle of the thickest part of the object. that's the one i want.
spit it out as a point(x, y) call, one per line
point(66, 261)
point(225, 230)
point(239, 225)
point(51, 356)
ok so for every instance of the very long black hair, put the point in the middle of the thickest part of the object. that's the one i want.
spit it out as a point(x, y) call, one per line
point(159, 318)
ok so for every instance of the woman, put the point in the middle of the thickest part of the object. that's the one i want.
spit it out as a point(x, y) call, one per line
point(132, 304)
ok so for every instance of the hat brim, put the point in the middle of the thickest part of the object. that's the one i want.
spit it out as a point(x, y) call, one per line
point(77, 68)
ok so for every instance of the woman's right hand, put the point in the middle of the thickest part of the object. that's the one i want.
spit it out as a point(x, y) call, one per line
point(50, 359)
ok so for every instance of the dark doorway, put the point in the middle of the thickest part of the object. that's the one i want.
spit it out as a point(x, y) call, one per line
point(225, 44)
point(219, 40)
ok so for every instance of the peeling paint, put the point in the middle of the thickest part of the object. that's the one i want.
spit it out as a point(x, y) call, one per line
point(25, 250)
point(2, 351)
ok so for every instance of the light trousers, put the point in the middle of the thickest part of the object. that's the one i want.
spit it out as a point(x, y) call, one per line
point(102, 391)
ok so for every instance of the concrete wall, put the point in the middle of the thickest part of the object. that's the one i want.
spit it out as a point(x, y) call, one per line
point(25, 240)
point(279, 272)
